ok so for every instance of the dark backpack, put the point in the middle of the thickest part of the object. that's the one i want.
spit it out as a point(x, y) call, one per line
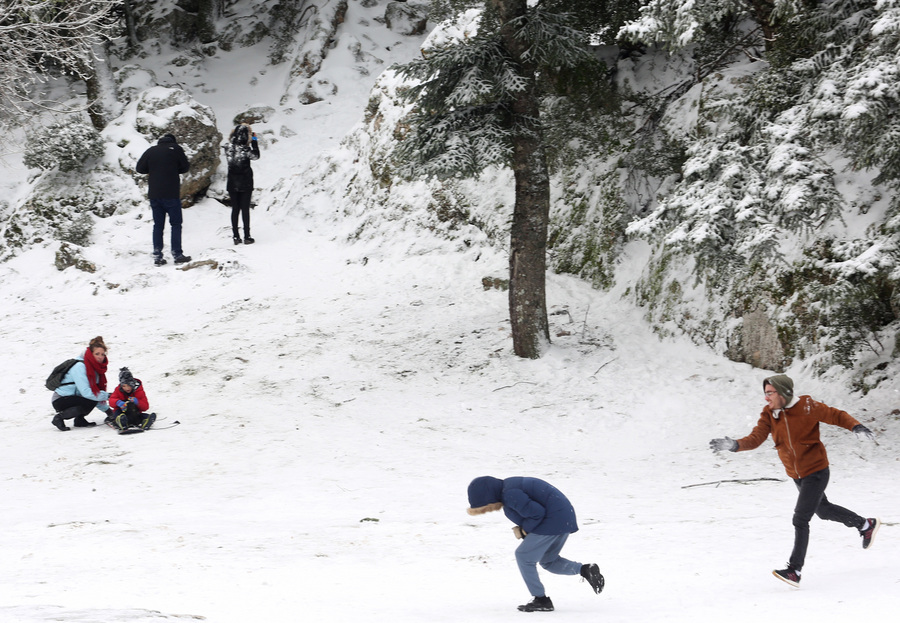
point(60, 371)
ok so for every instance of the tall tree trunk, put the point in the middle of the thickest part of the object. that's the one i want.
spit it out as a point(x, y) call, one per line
point(130, 28)
point(528, 238)
point(103, 105)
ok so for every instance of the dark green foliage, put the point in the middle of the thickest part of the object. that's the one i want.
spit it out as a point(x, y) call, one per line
point(68, 145)
point(462, 121)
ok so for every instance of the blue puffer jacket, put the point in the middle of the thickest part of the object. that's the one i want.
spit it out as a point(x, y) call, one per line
point(531, 503)
point(75, 383)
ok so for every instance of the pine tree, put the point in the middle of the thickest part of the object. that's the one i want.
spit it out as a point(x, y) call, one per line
point(477, 103)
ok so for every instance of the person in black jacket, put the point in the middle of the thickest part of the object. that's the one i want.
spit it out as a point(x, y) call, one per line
point(164, 163)
point(241, 149)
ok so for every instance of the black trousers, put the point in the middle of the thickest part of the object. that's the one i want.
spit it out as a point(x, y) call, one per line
point(73, 406)
point(240, 205)
point(812, 501)
point(132, 412)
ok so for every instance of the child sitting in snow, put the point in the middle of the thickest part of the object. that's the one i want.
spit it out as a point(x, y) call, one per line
point(128, 404)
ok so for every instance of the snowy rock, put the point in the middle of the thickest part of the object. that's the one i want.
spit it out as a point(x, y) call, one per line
point(256, 114)
point(68, 256)
point(406, 18)
point(132, 80)
point(162, 110)
point(760, 346)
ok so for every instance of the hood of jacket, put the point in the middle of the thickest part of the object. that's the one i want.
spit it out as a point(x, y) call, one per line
point(485, 490)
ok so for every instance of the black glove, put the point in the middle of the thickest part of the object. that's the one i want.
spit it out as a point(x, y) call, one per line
point(863, 433)
point(717, 445)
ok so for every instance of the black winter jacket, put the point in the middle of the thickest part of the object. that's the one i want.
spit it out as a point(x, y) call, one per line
point(164, 162)
point(240, 175)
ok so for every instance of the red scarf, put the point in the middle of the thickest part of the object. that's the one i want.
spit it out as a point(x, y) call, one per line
point(94, 371)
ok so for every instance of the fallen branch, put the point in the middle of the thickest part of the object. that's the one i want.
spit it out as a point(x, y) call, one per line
point(741, 481)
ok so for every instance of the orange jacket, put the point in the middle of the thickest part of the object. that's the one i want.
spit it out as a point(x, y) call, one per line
point(796, 434)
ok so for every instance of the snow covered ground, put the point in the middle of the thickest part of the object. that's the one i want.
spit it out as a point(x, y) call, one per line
point(335, 400)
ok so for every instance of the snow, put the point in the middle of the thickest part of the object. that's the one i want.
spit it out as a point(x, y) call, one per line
point(335, 400)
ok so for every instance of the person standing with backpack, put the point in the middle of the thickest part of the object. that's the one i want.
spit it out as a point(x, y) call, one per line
point(164, 163)
point(241, 149)
point(83, 388)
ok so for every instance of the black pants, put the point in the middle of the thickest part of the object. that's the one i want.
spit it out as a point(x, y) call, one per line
point(73, 406)
point(134, 415)
point(240, 205)
point(812, 501)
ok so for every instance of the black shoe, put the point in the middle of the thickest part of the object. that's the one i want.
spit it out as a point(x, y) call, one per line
point(237, 240)
point(148, 421)
point(789, 575)
point(182, 259)
point(538, 604)
point(868, 535)
point(591, 573)
point(121, 421)
point(159, 261)
point(248, 240)
point(80, 422)
point(59, 423)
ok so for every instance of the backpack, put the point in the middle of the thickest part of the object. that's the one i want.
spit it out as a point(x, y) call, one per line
point(60, 371)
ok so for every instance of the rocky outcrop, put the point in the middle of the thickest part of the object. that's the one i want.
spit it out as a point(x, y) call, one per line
point(162, 110)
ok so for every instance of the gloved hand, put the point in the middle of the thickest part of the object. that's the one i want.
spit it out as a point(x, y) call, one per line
point(120, 404)
point(863, 433)
point(520, 534)
point(717, 445)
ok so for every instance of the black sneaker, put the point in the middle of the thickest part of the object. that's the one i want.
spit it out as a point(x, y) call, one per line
point(182, 259)
point(538, 604)
point(789, 575)
point(248, 240)
point(591, 573)
point(159, 261)
point(868, 535)
point(59, 423)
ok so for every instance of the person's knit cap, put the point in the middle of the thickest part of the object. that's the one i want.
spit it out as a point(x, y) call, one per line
point(125, 377)
point(783, 384)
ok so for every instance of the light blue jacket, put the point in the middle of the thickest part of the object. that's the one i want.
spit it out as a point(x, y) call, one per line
point(75, 383)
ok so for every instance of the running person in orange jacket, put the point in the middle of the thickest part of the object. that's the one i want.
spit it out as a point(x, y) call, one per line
point(793, 422)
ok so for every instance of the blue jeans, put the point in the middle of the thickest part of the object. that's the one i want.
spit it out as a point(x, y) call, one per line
point(543, 549)
point(161, 208)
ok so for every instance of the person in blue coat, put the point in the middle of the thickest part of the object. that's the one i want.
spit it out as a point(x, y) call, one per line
point(544, 519)
point(83, 388)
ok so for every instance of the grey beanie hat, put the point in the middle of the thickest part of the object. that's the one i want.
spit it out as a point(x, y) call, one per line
point(783, 384)
point(125, 377)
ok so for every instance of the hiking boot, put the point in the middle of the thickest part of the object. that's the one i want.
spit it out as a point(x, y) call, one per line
point(789, 575)
point(80, 422)
point(59, 423)
point(159, 261)
point(591, 573)
point(868, 535)
point(182, 259)
point(538, 604)
point(237, 240)
point(148, 421)
point(248, 240)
